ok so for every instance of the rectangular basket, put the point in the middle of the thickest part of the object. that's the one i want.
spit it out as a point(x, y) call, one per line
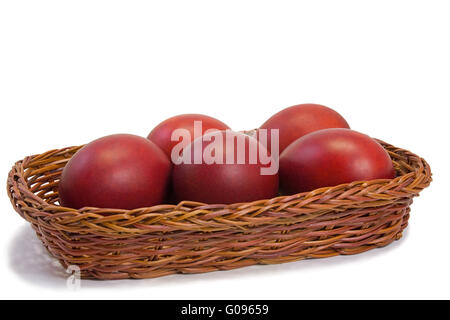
point(193, 237)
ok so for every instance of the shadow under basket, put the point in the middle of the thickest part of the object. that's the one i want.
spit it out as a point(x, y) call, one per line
point(193, 237)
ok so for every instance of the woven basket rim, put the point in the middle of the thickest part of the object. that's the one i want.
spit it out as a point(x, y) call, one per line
point(418, 167)
point(422, 167)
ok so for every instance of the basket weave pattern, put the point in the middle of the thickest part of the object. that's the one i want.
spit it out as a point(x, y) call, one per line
point(193, 237)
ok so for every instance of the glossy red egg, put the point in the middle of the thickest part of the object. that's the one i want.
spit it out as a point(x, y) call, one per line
point(299, 120)
point(237, 180)
point(331, 157)
point(120, 171)
point(161, 135)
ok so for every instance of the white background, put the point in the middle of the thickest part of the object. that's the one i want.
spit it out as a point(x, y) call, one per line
point(73, 71)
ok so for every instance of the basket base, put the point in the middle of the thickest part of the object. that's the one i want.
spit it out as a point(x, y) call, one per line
point(381, 236)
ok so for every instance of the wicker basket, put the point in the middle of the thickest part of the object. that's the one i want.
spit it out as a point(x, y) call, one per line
point(193, 237)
